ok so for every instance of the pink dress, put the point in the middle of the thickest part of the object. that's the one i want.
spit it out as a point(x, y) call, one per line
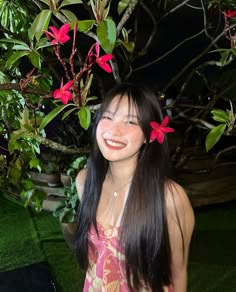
point(106, 272)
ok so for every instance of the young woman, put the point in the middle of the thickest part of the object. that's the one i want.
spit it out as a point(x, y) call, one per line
point(135, 223)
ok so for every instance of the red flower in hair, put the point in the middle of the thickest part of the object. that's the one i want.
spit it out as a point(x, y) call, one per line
point(158, 131)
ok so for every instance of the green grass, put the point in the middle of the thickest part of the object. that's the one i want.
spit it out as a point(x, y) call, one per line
point(27, 238)
point(212, 262)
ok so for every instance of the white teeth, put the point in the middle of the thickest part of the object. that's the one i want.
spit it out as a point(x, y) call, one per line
point(113, 143)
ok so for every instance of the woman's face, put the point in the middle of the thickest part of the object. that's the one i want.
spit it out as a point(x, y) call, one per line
point(119, 135)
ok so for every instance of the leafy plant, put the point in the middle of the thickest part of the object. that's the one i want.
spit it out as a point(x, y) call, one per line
point(227, 125)
point(66, 210)
point(58, 57)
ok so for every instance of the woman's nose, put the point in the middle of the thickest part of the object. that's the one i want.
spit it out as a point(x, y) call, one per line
point(116, 128)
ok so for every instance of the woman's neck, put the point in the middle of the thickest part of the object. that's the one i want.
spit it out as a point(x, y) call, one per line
point(120, 173)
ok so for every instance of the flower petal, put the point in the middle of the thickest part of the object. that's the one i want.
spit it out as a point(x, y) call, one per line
point(165, 121)
point(66, 97)
point(105, 67)
point(64, 29)
point(105, 58)
point(68, 85)
point(153, 135)
point(160, 136)
point(154, 125)
point(57, 94)
point(167, 130)
point(54, 30)
point(231, 14)
point(63, 39)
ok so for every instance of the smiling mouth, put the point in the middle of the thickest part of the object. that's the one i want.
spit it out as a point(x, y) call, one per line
point(114, 143)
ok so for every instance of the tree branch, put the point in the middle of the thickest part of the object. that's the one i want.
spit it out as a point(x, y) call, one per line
point(168, 52)
point(14, 86)
point(57, 146)
point(126, 16)
point(194, 60)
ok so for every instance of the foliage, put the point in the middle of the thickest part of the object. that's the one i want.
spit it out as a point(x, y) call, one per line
point(58, 57)
point(67, 208)
point(227, 123)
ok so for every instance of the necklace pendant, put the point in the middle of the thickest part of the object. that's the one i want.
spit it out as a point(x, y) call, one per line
point(115, 194)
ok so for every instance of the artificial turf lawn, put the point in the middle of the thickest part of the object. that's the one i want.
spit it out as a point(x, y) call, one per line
point(212, 261)
point(27, 238)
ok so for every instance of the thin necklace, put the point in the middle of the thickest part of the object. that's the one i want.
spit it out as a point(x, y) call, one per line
point(116, 192)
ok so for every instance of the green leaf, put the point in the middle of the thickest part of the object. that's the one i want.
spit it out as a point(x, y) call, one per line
point(67, 113)
point(91, 98)
point(106, 32)
point(35, 59)
point(20, 48)
point(79, 162)
point(14, 41)
point(43, 43)
point(68, 216)
point(86, 88)
point(219, 115)
point(15, 57)
point(224, 57)
point(70, 2)
point(85, 25)
point(40, 24)
point(14, 175)
point(129, 46)
point(27, 184)
point(25, 116)
point(84, 117)
point(14, 137)
point(52, 115)
point(34, 163)
point(59, 209)
point(214, 136)
point(28, 128)
point(69, 15)
point(122, 5)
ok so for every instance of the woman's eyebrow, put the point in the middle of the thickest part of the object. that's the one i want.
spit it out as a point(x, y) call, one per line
point(126, 116)
point(108, 111)
point(132, 116)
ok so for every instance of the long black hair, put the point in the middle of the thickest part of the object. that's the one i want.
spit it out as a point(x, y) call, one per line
point(144, 230)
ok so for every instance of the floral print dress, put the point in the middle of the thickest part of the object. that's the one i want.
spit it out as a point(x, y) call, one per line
point(106, 272)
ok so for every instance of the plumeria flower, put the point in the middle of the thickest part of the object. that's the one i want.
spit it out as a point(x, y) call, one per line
point(231, 14)
point(63, 93)
point(59, 35)
point(158, 131)
point(102, 61)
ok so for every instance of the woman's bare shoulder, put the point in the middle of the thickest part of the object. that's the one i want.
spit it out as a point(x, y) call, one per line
point(80, 181)
point(178, 205)
point(180, 220)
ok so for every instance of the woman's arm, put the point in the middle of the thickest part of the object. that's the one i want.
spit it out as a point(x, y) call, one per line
point(79, 182)
point(180, 219)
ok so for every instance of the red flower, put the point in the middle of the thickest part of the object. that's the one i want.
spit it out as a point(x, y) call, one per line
point(102, 61)
point(59, 35)
point(231, 14)
point(158, 131)
point(63, 93)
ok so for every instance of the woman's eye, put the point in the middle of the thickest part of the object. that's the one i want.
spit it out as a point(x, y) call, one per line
point(131, 122)
point(106, 118)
